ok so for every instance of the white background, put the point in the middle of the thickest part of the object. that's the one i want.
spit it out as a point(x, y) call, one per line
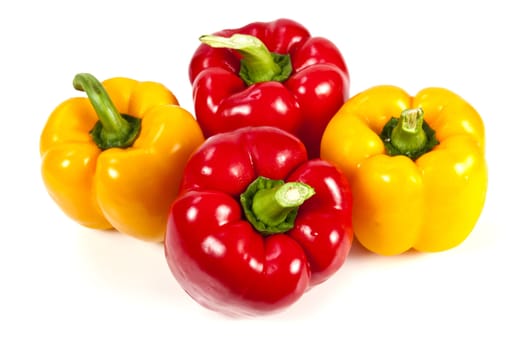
point(67, 287)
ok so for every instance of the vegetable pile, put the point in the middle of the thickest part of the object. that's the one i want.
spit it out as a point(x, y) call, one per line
point(257, 198)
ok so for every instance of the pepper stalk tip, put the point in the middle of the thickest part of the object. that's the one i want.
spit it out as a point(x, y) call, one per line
point(408, 135)
point(271, 206)
point(258, 63)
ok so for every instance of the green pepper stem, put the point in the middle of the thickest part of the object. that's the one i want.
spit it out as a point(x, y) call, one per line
point(258, 63)
point(274, 204)
point(408, 136)
point(112, 128)
point(271, 206)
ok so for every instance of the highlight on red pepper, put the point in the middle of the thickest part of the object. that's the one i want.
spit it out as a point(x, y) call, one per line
point(114, 159)
point(256, 223)
point(268, 73)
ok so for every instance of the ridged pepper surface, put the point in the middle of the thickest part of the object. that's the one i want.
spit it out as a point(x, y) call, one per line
point(416, 165)
point(268, 73)
point(256, 223)
point(115, 158)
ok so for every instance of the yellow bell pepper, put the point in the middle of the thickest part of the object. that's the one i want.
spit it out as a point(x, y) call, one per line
point(416, 165)
point(115, 159)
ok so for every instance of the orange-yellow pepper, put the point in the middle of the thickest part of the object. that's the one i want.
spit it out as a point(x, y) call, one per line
point(114, 159)
point(419, 180)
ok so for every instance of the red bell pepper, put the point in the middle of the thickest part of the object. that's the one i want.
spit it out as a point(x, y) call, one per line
point(256, 223)
point(272, 73)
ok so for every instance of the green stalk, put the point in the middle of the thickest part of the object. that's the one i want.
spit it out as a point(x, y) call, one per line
point(112, 129)
point(258, 63)
point(409, 135)
point(271, 206)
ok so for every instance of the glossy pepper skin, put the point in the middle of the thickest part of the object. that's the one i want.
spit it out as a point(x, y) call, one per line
point(430, 203)
point(126, 176)
point(236, 83)
point(217, 254)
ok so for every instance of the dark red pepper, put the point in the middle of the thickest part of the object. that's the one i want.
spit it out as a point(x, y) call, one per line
point(256, 223)
point(292, 81)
